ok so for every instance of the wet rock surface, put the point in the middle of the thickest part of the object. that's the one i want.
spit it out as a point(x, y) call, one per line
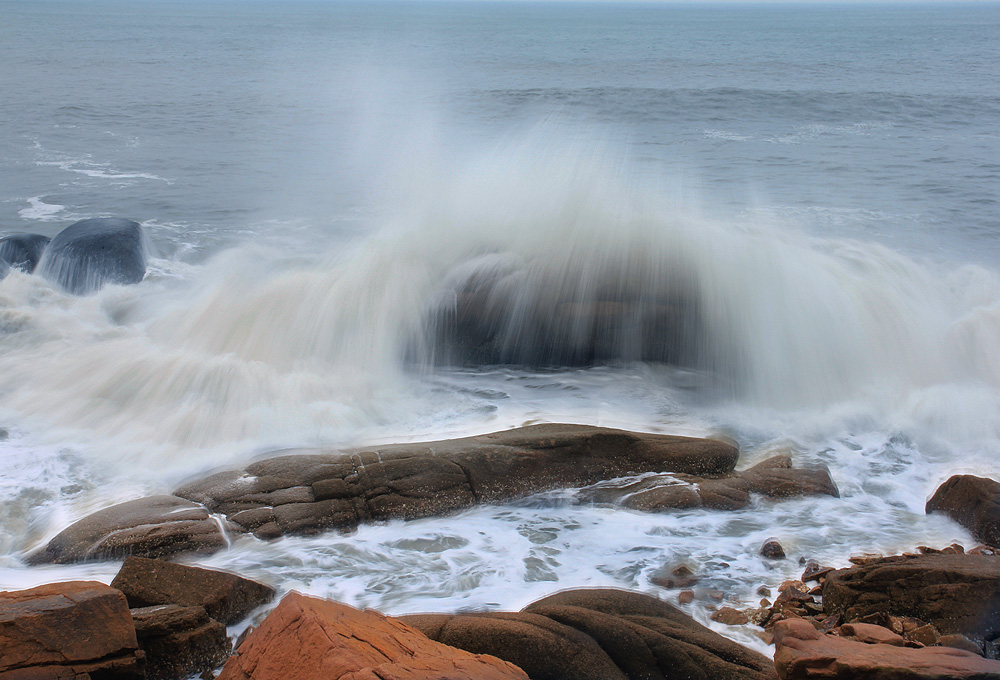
point(158, 526)
point(92, 253)
point(774, 478)
point(179, 641)
point(225, 597)
point(22, 251)
point(312, 639)
point(973, 502)
point(72, 629)
point(306, 492)
point(803, 652)
point(956, 593)
point(601, 634)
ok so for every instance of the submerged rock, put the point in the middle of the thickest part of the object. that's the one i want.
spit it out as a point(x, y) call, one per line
point(226, 597)
point(973, 502)
point(88, 254)
point(307, 638)
point(157, 526)
point(77, 629)
point(500, 310)
point(22, 251)
point(954, 593)
point(802, 652)
point(601, 634)
point(774, 478)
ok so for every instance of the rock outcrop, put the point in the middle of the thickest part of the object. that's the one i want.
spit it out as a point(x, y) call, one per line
point(955, 593)
point(500, 310)
point(601, 634)
point(225, 597)
point(22, 251)
point(66, 630)
point(311, 639)
point(802, 652)
point(157, 526)
point(308, 492)
point(89, 254)
point(973, 502)
point(773, 478)
point(179, 641)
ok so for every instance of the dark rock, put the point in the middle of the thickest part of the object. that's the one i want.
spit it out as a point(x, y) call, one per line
point(954, 593)
point(74, 629)
point(22, 251)
point(179, 641)
point(500, 310)
point(973, 502)
point(309, 492)
point(772, 550)
point(311, 639)
point(774, 478)
point(158, 526)
point(801, 652)
point(226, 597)
point(88, 254)
point(599, 635)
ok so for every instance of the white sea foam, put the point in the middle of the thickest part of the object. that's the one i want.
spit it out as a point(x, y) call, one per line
point(38, 209)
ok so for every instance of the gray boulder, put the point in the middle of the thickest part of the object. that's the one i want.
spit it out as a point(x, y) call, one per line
point(22, 251)
point(86, 255)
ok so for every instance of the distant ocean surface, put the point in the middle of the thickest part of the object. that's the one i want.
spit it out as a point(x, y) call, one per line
point(312, 174)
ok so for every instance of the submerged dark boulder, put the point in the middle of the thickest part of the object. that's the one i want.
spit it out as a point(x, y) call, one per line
point(499, 310)
point(88, 254)
point(599, 634)
point(22, 251)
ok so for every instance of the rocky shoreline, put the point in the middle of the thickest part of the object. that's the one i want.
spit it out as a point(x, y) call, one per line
point(930, 614)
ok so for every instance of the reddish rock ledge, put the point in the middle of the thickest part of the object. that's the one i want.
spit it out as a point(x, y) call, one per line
point(312, 639)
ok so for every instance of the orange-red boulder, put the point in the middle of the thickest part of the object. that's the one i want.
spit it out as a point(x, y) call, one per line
point(68, 630)
point(311, 639)
point(801, 652)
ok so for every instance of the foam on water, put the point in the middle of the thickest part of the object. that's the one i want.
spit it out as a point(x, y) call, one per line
point(844, 353)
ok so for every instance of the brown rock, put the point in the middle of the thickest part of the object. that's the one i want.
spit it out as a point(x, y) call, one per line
point(954, 593)
point(926, 635)
point(600, 634)
point(158, 526)
point(685, 597)
point(311, 639)
point(68, 630)
point(800, 651)
point(730, 616)
point(871, 634)
point(676, 577)
point(226, 597)
point(973, 502)
point(772, 550)
point(774, 478)
point(179, 641)
point(957, 641)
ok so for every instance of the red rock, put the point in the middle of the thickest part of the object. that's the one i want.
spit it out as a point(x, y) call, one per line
point(307, 638)
point(866, 632)
point(685, 597)
point(730, 617)
point(226, 597)
point(800, 652)
point(68, 629)
point(179, 641)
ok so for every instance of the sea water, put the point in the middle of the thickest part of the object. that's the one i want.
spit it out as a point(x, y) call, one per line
point(313, 176)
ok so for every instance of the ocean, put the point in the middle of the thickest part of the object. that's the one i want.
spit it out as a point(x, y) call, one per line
point(821, 181)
